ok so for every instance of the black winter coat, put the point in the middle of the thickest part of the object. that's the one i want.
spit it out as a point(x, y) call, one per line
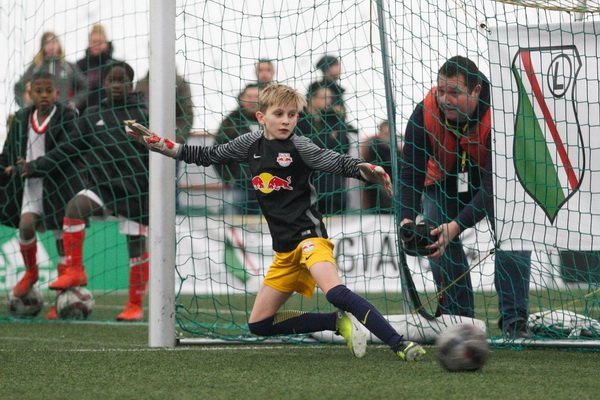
point(62, 180)
point(117, 166)
point(93, 67)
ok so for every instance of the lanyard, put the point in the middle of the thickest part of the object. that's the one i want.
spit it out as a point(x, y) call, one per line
point(463, 155)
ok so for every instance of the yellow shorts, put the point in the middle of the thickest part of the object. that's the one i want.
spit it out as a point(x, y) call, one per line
point(290, 272)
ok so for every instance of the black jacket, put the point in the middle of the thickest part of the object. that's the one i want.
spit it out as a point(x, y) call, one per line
point(328, 131)
point(62, 180)
point(92, 67)
point(117, 166)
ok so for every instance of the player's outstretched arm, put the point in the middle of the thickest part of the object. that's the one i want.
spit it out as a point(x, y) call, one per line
point(151, 140)
point(376, 174)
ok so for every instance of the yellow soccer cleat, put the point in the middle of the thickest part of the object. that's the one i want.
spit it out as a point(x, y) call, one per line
point(410, 351)
point(347, 326)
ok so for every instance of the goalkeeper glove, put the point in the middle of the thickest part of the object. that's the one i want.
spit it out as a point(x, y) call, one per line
point(376, 174)
point(151, 140)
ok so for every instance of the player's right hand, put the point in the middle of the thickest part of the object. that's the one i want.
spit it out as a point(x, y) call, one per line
point(151, 140)
point(376, 174)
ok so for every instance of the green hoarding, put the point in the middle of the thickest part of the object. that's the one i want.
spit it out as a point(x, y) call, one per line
point(105, 258)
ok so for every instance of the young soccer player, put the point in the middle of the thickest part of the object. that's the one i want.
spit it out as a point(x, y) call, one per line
point(118, 184)
point(281, 165)
point(37, 203)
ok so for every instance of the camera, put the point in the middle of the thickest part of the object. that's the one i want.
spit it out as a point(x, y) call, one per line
point(416, 237)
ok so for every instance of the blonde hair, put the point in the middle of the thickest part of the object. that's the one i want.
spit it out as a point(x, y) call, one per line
point(99, 30)
point(46, 37)
point(275, 95)
point(264, 61)
point(383, 124)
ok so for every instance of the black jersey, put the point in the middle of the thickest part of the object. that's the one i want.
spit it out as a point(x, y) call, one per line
point(281, 176)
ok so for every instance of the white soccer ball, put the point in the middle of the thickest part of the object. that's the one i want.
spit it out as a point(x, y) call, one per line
point(75, 303)
point(462, 347)
point(28, 306)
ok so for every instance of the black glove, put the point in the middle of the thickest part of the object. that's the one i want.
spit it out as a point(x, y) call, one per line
point(415, 238)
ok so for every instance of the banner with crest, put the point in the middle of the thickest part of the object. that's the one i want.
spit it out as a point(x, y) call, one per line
point(545, 91)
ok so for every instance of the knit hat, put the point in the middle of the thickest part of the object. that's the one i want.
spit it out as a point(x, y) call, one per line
point(109, 67)
point(326, 62)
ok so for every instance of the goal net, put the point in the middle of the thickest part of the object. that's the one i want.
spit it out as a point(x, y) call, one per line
point(541, 59)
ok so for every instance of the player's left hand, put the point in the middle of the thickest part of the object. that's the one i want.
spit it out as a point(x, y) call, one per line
point(151, 140)
point(376, 174)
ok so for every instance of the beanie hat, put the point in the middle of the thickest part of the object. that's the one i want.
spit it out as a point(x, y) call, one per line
point(326, 62)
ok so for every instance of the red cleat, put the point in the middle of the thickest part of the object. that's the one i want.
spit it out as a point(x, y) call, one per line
point(131, 313)
point(51, 314)
point(71, 278)
point(26, 283)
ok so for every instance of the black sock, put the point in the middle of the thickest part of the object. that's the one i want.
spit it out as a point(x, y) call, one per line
point(293, 322)
point(346, 300)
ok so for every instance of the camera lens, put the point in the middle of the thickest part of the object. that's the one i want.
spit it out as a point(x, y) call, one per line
point(407, 232)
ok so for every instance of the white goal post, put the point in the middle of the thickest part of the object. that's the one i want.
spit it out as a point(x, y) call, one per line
point(161, 286)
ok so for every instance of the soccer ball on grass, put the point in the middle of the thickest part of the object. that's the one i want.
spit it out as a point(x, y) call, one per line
point(462, 347)
point(28, 306)
point(75, 303)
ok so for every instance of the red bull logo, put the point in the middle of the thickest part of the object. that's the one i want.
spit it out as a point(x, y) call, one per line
point(308, 247)
point(284, 159)
point(266, 183)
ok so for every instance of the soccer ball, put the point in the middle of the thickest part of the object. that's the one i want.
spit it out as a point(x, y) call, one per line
point(75, 303)
point(28, 306)
point(462, 347)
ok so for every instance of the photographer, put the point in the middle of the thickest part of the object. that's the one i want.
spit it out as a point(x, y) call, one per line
point(447, 162)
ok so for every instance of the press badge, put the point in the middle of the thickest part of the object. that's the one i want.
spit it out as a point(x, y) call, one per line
point(463, 182)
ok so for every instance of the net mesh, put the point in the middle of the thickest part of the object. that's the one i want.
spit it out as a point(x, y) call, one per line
point(223, 247)
point(580, 6)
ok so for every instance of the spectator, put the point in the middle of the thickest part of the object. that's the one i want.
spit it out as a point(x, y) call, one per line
point(26, 94)
point(51, 58)
point(38, 202)
point(265, 72)
point(184, 115)
point(184, 106)
point(281, 164)
point(377, 149)
point(447, 161)
point(326, 128)
point(97, 56)
point(26, 103)
point(331, 67)
point(237, 175)
point(118, 183)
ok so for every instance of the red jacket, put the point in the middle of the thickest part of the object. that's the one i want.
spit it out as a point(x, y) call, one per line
point(443, 141)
